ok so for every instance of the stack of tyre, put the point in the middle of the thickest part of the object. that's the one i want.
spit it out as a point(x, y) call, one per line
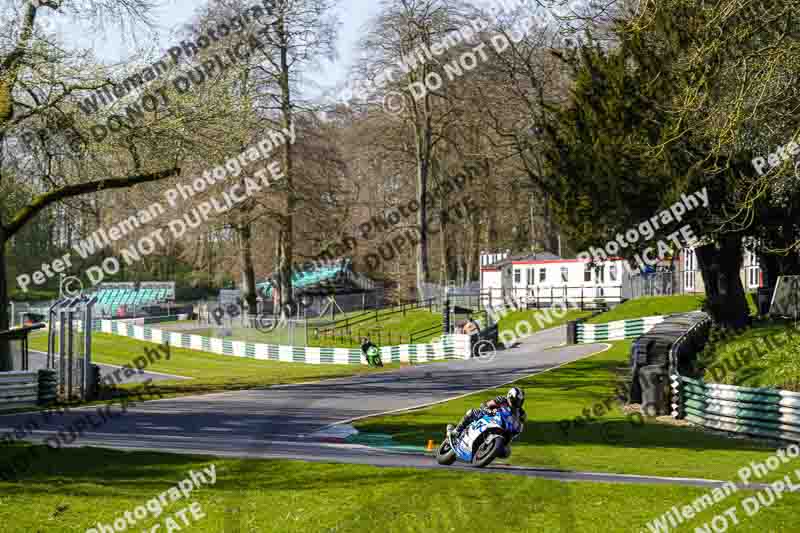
point(653, 358)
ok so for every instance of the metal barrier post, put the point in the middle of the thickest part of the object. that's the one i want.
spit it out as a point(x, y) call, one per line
point(88, 327)
point(70, 352)
point(62, 344)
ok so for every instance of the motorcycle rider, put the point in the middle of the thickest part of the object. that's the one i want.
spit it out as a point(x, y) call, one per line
point(514, 399)
point(371, 352)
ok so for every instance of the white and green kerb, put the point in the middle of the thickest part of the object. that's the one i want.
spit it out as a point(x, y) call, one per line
point(448, 347)
point(619, 330)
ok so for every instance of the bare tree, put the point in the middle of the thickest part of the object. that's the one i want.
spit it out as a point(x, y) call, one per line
point(20, 103)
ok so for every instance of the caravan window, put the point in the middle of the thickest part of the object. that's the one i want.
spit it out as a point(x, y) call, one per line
point(531, 277)
point(688, 267)
point(587, 274)
point(612, 272)
point(564, 274)
point(542, 275)
point(517, 275)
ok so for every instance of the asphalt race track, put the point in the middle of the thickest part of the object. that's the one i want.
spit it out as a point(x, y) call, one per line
point(289, 421)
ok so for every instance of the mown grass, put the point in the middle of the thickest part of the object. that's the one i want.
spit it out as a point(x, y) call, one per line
point(210, 372)
point(538, 319)
point(74, 489)
point(387, 330)
point(650, 306)
point(383, 328)
point(612, 442)
point(767, 354)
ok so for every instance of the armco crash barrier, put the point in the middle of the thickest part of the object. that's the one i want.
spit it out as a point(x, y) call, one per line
point(667, 348)
point(449, 347)
point(18, 389)
point(760, 412)
point(614, 331)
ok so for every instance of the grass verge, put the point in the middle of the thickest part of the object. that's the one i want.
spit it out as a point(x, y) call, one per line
point(767, 354)
point(211, 372)
point(74, 489)
point(650, 306)
point(384, 328)
point(537, 319)
point(611, 442)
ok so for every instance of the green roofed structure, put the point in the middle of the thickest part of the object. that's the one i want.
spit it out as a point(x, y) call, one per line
point(335, 277)
point(122, 299)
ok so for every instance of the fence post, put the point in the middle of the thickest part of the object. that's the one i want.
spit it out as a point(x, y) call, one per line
point(446, 318)
point(571, 336)
point(572, 332)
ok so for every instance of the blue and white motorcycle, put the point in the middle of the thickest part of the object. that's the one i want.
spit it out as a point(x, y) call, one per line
point(481, 442)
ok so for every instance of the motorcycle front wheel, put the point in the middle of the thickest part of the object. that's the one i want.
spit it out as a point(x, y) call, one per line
point(488, 451)
point(445, 455)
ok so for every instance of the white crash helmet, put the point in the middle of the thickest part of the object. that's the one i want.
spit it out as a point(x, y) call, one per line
point(515, 397)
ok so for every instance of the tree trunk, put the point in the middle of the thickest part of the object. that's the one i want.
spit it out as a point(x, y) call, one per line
point(770, 269)
point(720, 264)
point(248, 275)
point(473, 248)
point(774, 266)
point(6, 359)
point(492, 235)
point(422, 223)
point(446, 261)
point(286, 248)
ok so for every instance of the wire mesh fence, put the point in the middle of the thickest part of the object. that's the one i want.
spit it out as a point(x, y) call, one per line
point(662, 283)
point(262, 329)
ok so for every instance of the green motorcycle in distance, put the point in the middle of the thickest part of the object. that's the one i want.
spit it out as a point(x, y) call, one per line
point(373, 356)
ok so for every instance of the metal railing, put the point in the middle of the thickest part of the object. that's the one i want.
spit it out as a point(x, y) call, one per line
point(662, 283)
point(376, 316)
point(538, 297)
point(69, 345)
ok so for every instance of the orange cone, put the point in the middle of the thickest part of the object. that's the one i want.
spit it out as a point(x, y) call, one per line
point(430, 445)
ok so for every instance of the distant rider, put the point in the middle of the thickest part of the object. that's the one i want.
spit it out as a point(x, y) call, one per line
point(371, 352)
point(513, 399)
point(471, 326)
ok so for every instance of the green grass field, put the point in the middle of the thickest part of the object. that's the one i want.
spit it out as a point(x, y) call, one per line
point(765, 355)
point(383, 328)
point(74, 489)
point(613, 442)
point(650, 306)
point(211, 372)
point(279, 336)
point(511, 321)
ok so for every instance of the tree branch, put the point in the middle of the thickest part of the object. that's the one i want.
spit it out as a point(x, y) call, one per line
point(25, 214)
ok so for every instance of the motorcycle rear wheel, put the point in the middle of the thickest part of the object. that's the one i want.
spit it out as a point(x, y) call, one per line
point(488, 451)
point(445, 455)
